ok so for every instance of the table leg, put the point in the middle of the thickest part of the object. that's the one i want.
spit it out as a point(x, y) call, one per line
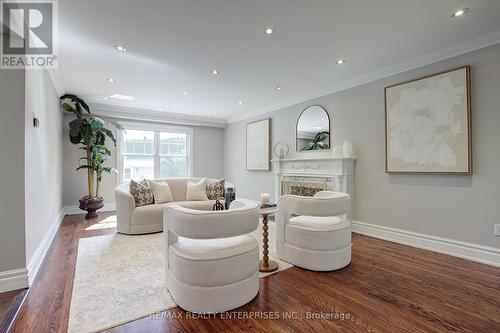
point(266, 265)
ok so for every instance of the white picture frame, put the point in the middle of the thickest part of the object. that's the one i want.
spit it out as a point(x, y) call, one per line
point(258, 145)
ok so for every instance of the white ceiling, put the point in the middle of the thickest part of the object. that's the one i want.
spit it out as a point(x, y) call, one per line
point(173, 45)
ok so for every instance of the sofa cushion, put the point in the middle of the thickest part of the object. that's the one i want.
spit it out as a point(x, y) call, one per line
point(141, 192)
point(196, 191)
point(318, 223)
point(178, 188)
point(215, 188)
point(153, 214)
point(161, 192)
point(318, 233)
point(213, 249)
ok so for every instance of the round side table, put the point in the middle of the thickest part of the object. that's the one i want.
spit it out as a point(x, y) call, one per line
point(266, 265)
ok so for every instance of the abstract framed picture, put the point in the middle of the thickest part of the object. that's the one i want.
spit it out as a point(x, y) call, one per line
point(428, 125)
point(259, 145)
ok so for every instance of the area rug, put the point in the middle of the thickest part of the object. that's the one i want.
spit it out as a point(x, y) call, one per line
point(120, 278)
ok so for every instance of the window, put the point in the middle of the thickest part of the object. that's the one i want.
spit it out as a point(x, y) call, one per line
point(156, 153)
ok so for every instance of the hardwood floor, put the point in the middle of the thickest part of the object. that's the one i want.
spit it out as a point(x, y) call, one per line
point(10, 302)
point(387, 288)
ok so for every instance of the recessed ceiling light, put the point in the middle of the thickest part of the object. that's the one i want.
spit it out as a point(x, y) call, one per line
point(270, 30)
point(215, 113)
point(166, 106)
point(215, 71)
point(460, 12)
point(111, 79)
point(106, 98)
point(186, 93)
point(240, 103)
point(340, 61)
point(120, 48)
point(124, 97)
point(278, 87)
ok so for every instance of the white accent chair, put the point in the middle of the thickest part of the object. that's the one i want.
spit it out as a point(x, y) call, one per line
point(212, 264)
point(313, 232)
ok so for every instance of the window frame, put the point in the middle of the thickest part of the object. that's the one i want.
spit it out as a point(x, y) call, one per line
point(156, 128)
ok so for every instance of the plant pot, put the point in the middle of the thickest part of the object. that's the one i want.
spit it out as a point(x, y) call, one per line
point(91, 205)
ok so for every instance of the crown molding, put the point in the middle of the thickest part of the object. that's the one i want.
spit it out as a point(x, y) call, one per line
point(444, 53)
point(127, 113)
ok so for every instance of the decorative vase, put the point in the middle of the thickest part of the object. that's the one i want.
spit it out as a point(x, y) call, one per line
point(347, 148)
point(229, 196)
point(337, 151)
point(91, 205)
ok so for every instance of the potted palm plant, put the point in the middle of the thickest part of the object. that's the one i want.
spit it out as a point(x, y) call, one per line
point(90, 134)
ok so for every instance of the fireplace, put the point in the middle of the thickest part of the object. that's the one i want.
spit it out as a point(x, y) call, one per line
point(307, 176)
point(304, 186)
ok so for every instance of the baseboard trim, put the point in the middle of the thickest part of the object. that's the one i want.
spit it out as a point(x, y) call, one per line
point(40, 253)
point(479, 253)
point(75, 210)
point(10, 316)
point(13, 279)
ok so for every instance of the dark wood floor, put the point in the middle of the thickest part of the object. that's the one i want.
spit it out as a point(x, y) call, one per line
point(10, 303)
point(387, 288)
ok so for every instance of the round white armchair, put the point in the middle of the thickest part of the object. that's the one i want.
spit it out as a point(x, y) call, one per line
point(313, 232)
point(212, 264)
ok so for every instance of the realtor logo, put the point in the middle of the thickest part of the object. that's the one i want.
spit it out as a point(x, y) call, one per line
point(29, 39)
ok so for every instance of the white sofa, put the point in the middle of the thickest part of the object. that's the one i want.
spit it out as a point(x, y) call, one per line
point(313, 232)
point(149, 219)
point(212, 264)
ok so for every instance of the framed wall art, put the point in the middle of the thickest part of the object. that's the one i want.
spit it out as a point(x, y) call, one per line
point(259, 145)
point(428, 125)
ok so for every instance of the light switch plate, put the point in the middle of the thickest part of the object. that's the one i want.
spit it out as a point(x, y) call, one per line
point(497, 229)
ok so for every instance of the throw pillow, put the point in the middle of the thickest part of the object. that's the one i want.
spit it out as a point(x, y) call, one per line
point(141, 192)
point(197, 191)
point(215, 188)
point(161, 192)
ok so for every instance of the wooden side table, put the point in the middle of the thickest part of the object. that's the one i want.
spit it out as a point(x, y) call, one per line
point(266, 265)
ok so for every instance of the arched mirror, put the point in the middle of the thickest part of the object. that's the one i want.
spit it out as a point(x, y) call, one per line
point(313, 129)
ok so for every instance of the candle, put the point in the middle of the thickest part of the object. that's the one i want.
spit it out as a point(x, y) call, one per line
point(264, 198)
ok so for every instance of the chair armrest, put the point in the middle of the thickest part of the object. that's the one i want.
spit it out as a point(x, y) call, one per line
point(125, 206)
point(198, 224)
point(125, 198)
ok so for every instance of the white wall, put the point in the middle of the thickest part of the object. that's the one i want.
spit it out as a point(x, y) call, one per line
point(12, 243)
point(458, 207)
point(43, 159)
point(208, 152)
point(208, 161)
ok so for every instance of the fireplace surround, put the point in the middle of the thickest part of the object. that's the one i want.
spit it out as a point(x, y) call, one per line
point(307, 175)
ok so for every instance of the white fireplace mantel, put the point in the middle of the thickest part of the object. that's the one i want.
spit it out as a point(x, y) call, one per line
point(338, 172)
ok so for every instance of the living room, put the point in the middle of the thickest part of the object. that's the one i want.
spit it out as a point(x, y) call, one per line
point(249, 166)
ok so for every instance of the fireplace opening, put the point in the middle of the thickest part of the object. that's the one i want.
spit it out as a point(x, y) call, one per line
point(303, 187)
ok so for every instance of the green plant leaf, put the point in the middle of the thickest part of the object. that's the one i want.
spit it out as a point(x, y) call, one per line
point(110, 135)
point(75, 139)
point(75, 126)
point(96, 125)
point(84, 167)
point(79, 103)
point(116, 124)
point(87, 134)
